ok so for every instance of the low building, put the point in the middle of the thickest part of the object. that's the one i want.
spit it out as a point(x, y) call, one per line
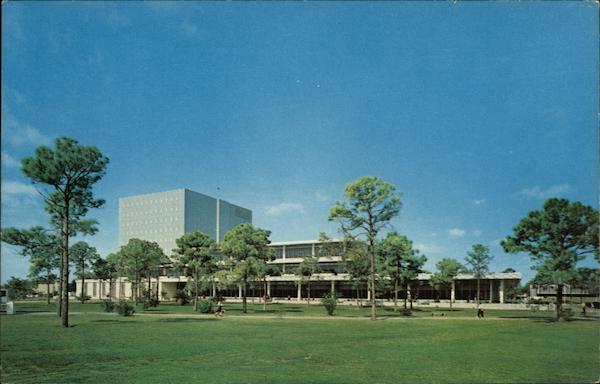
point(287, 286)
point(541, 291)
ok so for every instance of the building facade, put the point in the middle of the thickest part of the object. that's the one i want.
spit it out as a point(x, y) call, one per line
point(286, 285)
point(165, 216)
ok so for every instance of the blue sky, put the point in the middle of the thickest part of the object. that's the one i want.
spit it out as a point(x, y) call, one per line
point(476, 112)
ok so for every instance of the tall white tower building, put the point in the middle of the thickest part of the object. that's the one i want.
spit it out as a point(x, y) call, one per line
point(164, 216)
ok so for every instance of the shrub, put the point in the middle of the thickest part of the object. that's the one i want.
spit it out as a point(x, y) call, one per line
point(108, 306)
point(124, 308)
point(206, 306)
point(329, 301)
point(149, 302)
point(85, 298)
point(182, 297)
point(567, 314)
point(406, 312)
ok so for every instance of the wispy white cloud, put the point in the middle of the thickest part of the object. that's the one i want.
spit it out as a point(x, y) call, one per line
point(18, 188)
point(479, 202)
point(538, 192)
point(477, 233)
point(191, 30)
point(279, 209)
point(17, 195)
point(429, 248)
point(455, 233)
point(321, 196)
point(18, 134)
point(8, 161)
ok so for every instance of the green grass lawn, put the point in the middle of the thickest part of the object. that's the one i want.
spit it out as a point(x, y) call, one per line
point(295, 309)
point(160, 349)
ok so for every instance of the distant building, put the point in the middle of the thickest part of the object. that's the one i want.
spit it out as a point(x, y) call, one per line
point(539, 291)
point(165, 216)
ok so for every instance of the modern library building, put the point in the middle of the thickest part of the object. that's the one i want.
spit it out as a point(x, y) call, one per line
point(165, 216)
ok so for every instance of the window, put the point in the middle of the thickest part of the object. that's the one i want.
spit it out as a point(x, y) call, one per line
point(278, 252)
point(298, 251)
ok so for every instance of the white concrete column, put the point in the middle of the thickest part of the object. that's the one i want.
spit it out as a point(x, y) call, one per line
point(240, 291)
point(502, 291)
point(269, 288)
point(453, 292)
point(491, 290)
point(160, 289)
point(313, 249)
point(283, 252)
point(368, 293)
point(408, 294)
point(299, 291)
point(214, 289)
point(332, 286)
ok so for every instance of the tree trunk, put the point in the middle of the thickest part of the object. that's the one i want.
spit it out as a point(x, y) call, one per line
point(60, 289)
point(82, 284)
point(373, 309)
point(64, 310)
point(48, 287)
point(411, 299)
point(265, 294)
point(559, 300)
point(308, 293)
point(405, 294)
point(149, 293)
point(196, 292)
point(450, 300)
point(478, 292)
point(244, 289)
point(136, 292)
point(396, 295)
point(157, 293)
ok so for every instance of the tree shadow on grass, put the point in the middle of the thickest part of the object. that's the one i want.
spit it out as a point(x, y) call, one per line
point(20, 311)
point(111, 321)
point(259, 311)
point(158, 311)
point(184, 320)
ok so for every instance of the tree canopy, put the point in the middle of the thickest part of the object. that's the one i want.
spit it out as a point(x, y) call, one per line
point(400, 261)
point(556, 237)
point(447, 270)
point(68, 171)
point(370, 204)
point(246, 249)
point(308, 267)
point(136, 260)
point(196, 252)
point(83, 256)
point(42, 248)
point(479, 259)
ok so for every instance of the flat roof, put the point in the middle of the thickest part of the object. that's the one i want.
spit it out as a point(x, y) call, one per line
point(304, 242)
point(470, 276)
